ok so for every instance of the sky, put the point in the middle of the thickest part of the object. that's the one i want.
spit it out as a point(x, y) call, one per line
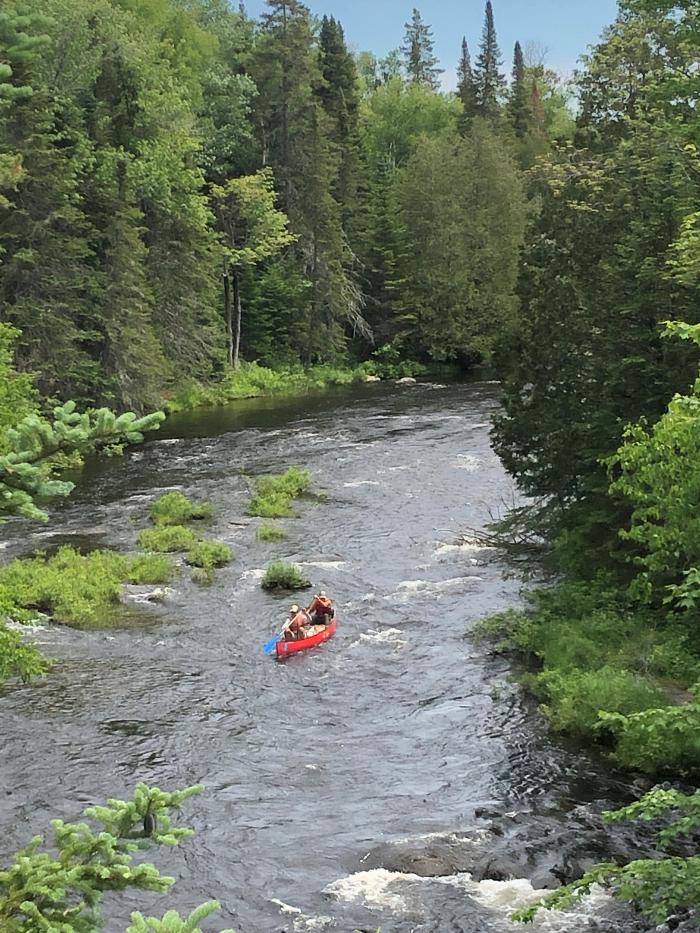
point(563, 27)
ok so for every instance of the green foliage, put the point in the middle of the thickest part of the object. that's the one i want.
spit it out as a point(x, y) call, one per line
point(575, 698)
point(18, 397)
point(420, 61)
point(167, 539)
point(208, 555)
point(274, 494)
point(270, 533)
point(77, 589)
point(172, 922)
point(283, 576)
point(18, 658)
point(464, 226)
point(174, 508)
point(658, 887)
point(664, 739)
point(63, 891)
point(30, 446)
point(151, 569)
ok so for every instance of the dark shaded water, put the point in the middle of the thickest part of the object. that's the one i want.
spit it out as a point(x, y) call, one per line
point(387, 740)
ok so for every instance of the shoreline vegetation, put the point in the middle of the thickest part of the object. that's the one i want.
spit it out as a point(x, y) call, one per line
point(251, 380)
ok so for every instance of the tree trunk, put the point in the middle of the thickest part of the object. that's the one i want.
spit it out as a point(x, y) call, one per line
point(228, 313)
point(237, 331)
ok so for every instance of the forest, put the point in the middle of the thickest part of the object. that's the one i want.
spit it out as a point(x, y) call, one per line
point(196, 205)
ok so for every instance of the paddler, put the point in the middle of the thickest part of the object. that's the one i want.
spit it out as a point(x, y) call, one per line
point(298, 619)
point(321, 609)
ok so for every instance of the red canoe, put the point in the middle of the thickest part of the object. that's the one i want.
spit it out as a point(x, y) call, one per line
point(285, 648)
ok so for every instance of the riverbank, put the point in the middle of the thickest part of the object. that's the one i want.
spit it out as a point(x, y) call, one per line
point(608, 672)
point(250, 380)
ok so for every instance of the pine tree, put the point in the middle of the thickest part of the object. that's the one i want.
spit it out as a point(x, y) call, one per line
point(518, 108)
point(340, 99)
point(490, 83)
point(418, 52)
point(466, 89)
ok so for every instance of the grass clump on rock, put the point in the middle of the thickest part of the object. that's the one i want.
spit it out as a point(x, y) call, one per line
point(167, 539)
point(282, 576)
point(174, 508)
point(274, 495)
point(270, 533)
point(77, 589)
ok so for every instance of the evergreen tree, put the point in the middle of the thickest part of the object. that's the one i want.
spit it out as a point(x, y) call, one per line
point(466, 89)
point(339, 95)
point(518, 107)
point(490, 83)
point(418, 53)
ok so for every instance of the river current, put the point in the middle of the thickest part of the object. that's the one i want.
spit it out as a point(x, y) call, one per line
point(395, 777)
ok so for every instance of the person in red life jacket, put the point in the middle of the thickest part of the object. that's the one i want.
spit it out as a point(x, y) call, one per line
point(321, 609)
point(298, 619)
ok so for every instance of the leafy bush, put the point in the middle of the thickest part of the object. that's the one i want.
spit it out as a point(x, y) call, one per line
point(151, 569)
point(167, 539)
point(205, 557)
point(73, 588)
point(282, 576)
point(576, 697)
point(17, 657)
point(666, 739)
point(270, 533)
point(209, 554)
point(274, 494)
point(174, 508)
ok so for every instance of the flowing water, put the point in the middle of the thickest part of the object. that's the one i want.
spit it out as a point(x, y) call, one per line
point(395, 776)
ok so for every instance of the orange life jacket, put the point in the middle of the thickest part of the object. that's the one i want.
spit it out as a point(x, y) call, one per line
point(321, 604)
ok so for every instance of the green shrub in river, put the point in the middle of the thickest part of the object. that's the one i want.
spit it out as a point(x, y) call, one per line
point(151, 569)
point(205, 557)
point(274, 495)
point(167, 539)
point(174, 508)
point(270, 533)
point(76, 589)
point(283, 576)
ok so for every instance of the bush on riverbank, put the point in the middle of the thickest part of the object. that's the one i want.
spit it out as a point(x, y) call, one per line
point(605, 669)
point(280, 575)
point(174, 508)
point(76, 589)
point(274, 495)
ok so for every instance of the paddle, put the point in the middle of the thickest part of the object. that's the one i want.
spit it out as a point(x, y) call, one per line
point(270, 646)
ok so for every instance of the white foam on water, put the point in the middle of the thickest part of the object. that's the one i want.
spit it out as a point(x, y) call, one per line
point(464, 547)
point(324, 564)
point(509, 896)
point(361, 482)
point(285, 908)
point(371, 888)
point(409, 589)
point(466, 462)
point(387, 636)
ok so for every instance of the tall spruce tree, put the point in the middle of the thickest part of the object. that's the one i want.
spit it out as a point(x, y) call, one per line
point(466, 89)
point(490, 82)
point(418, 52)
point(340, 99)
point(518, 106)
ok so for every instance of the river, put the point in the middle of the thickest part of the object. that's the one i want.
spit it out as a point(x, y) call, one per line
point(352, 787)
